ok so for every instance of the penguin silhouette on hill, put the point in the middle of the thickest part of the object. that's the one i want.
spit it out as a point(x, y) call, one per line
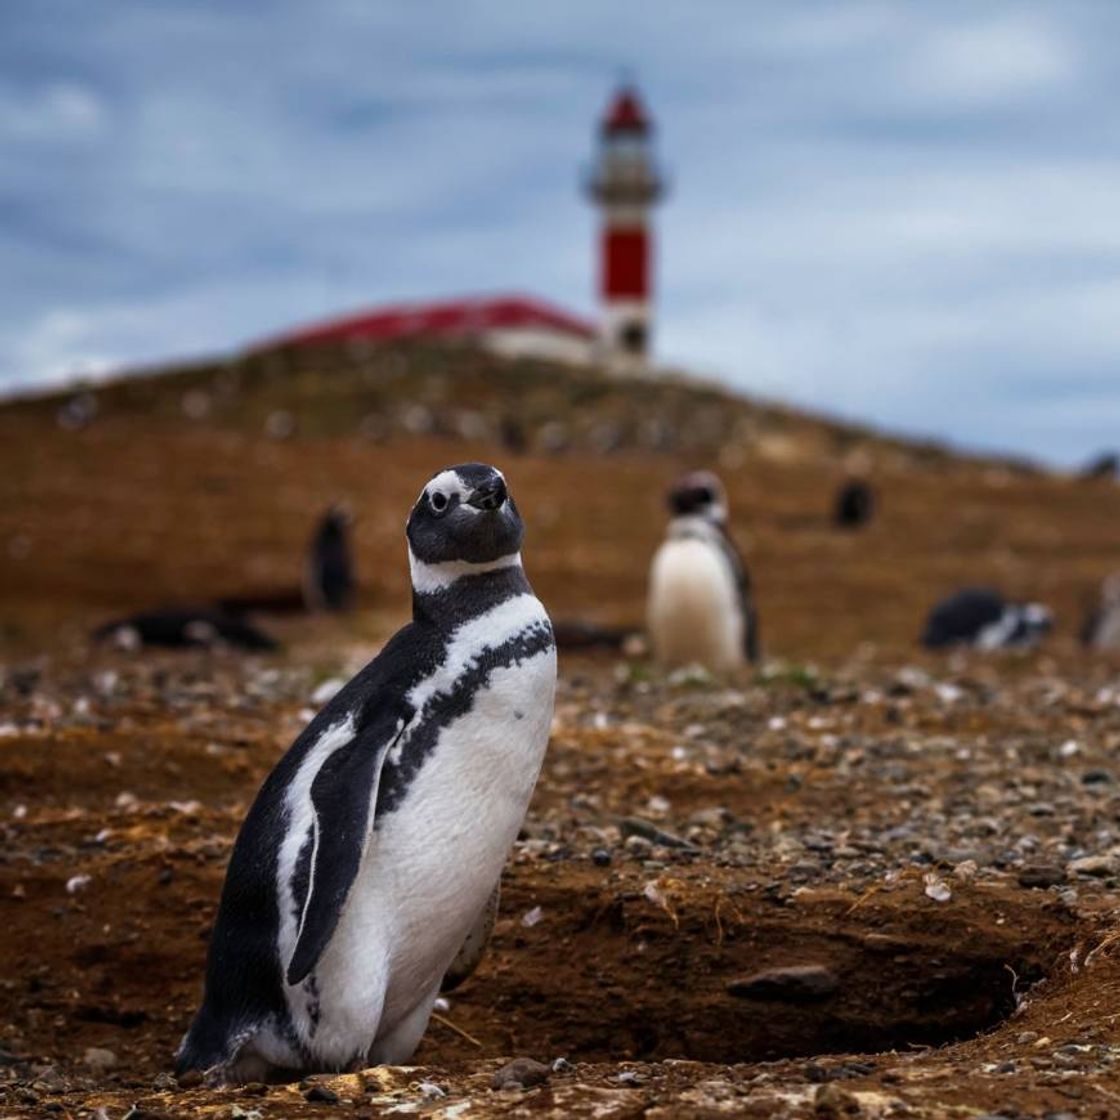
point(328, 582)
point(854, 505)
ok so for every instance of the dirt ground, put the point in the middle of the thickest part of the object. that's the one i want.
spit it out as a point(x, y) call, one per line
point(934, 842)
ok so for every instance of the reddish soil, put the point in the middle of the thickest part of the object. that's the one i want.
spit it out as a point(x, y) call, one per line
point(825, 804)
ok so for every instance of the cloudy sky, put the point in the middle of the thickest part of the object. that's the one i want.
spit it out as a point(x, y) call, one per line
point(903, 212)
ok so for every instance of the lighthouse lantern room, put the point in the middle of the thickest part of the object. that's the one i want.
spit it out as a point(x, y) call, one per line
point(625, 183)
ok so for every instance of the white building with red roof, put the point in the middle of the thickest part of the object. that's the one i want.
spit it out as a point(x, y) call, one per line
point(512, 325)
point(625, 184)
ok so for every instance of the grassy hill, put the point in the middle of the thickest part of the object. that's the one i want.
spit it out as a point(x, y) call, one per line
point(206, 480)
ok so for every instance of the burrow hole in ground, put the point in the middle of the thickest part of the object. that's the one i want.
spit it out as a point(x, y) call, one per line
point(617, 980)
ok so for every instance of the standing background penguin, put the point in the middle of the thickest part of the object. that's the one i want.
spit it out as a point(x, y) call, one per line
point(701, 607)
point(371, 854)
point(854, 505)
point(1101, 629)
point(328, 581)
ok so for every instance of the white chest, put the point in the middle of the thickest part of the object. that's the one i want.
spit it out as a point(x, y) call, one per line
point(434, 860)
point(693, 612)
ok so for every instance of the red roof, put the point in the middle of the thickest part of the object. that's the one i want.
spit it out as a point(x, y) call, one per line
point(626, 112)
point(460, 318)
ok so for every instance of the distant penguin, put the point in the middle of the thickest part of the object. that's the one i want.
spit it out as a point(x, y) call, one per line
point(982, 618)
point(700, 608)
point(1105, 465)
point(183, 628)
point(366, 869)
point(1102, 628)
point(854, 505)
point(329, 572)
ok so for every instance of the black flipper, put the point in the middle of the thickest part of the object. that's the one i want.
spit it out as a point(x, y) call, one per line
point(751, 646)
point(343, 795)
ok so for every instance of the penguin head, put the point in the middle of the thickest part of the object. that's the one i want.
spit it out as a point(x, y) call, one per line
point(465, 514)
point(336, 520)
point(698, 494)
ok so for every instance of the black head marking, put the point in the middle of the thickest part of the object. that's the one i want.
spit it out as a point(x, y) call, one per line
point(466, 514)
point(697, 494)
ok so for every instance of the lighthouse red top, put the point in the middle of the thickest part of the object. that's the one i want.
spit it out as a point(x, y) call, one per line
point(626, 113)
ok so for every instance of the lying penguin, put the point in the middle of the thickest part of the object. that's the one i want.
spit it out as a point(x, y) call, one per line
point(982, 618)
point(700, 608)
point(184, 628)
point(366, 867)
point(1102, 627)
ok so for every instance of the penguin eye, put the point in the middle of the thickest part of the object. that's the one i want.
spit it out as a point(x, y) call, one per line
point(438, 501)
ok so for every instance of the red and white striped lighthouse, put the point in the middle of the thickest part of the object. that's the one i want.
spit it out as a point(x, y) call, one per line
point(625, 182)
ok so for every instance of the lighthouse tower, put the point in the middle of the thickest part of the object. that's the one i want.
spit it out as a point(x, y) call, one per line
point(625, 183)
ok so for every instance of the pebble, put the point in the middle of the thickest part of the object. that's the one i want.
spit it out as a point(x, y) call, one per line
point(320, 1094)
point(1040, 875)
point(1101, 866)
point(327, 691)
point(1097, 777)
point(521, 1073)
point(793, 984)
point(636, 826)
point(832, 1101)
point(99, 1060)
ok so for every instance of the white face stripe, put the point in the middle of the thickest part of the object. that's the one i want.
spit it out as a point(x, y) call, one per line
point(694, 525)
point(473, 638)
point(450, 483)
point(427, 578)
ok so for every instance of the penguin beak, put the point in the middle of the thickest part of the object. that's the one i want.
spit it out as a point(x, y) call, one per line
point(489, 496)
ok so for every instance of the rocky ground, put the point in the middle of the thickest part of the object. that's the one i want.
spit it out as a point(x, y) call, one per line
point(860, 882)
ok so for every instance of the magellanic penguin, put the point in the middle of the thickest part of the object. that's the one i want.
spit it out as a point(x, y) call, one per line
point(701, 607)
point(184, 628)
point(370, 856)
point(1102, 627)
point(981, 618)
point(854, 505)
point(328, 579)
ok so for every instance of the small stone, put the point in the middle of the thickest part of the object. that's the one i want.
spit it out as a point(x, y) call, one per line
point(521, 1073)
point(1037, 876)
point(429, 1090)
point(562, 1065)
point(327, 691)
point(1097, 778)
point(601, 857)
point(1098, 866)
point(635, 826)
point(794, 984)
point(937, 889)
point(320, 1094)
point(830, 1100)
point(98, 1060)
point(630, 1078)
